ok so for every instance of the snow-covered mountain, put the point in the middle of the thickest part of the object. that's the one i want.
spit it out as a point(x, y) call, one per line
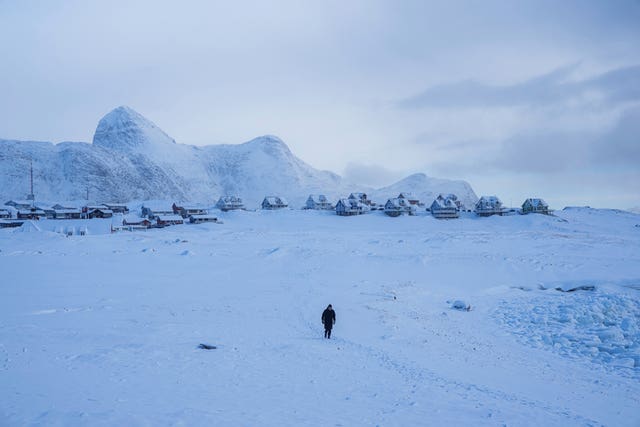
point(133, 159)
point(426, 189)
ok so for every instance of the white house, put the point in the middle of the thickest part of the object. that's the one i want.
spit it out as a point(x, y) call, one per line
point(228, 203)
point(398, 206)
point(445, 207)
point(274, 202)
point(410, 198)
point(360, 197)
point(535, 206)
point(348, 207)
point(488, 205)
point(318, 202)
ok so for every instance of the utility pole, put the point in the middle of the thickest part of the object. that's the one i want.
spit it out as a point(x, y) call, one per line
point(31, 196)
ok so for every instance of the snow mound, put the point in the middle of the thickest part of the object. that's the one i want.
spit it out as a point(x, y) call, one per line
point(604, 328)
point(28, 227)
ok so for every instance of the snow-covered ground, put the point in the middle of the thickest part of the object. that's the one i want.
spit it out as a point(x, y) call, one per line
point(103, 329)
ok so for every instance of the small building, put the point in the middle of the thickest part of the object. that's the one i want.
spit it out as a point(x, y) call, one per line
point(187, 211)
point(410, 198)
point(535, 206)
point(445, 207)
point(318, 202)
point(348, 207)
point(69, 213)
point(5, 214)
point(152, 211)
point(229, 203)
point(49, 213)
point(398, 206)
point(454, 199)
point(60, 206)
point(360, 197)
point(488, 205)
point(32, 213)
point(117, 208)
point(166, 220)
point(134, 222)
point(274, 202)
point(99, 213)
point(20, 204)
point(11, 223)
point(199, 219)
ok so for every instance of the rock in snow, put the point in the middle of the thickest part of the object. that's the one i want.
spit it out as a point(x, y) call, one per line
point(131, 158)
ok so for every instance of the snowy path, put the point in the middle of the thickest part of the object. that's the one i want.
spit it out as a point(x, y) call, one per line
point(103, 330)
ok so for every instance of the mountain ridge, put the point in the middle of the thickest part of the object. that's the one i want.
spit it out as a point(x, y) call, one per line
point(131, 158)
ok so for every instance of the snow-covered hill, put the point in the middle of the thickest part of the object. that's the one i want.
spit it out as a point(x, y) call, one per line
point(133, 159)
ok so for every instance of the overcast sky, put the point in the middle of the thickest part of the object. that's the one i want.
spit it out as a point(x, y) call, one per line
point(531, 98)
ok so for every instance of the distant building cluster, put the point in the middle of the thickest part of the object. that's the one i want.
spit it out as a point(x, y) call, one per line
point(153, 215)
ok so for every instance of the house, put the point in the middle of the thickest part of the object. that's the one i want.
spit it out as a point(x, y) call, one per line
point(59, 211)
point(453, 198)
point(398, 206)
point(348, 207)
point(318, 202)
point(9, 223)
point(59, 206)
point(117, 208)
point(274, 202)
point(410, 198)
point(49, 213)
point(152, 211)
point(69, 213)
point(97, 212)
point(166, 220)
point(5, 214)
point(199, 219)
point(445, 207)
point(20, 204)
point(535, 206)
point(488, 205)
point(360, 197)
point(228, 203)
point(32, 213)
point(136, 222)
point(187, 211)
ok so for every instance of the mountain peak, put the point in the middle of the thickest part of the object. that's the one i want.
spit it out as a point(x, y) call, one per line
point(269, 144)
point(123, 128)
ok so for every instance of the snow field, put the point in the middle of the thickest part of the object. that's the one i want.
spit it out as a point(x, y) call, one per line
point(104, 329)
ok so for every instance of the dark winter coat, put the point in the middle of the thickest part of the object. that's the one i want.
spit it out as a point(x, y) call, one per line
point(328, 318)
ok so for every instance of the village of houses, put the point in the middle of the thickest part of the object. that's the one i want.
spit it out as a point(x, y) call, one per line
point(444, 206)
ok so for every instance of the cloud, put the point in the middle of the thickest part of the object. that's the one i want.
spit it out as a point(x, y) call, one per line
point(555, 88)
point(617, 148)
point(620, 146)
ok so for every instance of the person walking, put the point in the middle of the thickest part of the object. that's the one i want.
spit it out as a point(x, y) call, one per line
point(328, 320)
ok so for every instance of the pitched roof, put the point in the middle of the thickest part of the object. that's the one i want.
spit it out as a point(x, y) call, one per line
point(170, 218)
